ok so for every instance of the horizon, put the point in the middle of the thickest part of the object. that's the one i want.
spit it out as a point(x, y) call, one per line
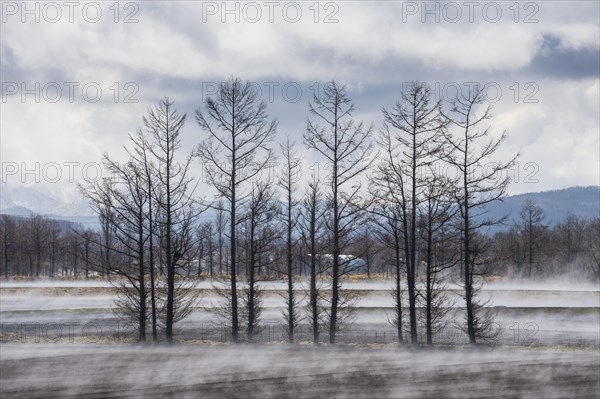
point(84, 219)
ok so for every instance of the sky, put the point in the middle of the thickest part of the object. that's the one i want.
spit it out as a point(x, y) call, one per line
point(77, 77)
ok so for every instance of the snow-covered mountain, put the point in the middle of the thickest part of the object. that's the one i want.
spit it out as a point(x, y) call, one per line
point(24, 200)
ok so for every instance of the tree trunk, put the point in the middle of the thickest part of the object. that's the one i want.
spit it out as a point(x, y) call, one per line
point(468, 274)
point(168, 251)
point(336, 245)
point(429, 293)
point(234, 303)
point(142, 281)
point(291, 315)
point(398, 287)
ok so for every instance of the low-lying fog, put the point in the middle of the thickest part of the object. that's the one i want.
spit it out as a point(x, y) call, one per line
point(62, 338)
point(282, 371)
point(549, 313)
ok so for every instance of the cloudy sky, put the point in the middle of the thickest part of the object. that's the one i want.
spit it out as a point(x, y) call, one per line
point(76, 79)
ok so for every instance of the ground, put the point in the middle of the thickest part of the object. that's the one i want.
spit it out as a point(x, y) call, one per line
point(282, 371)
point(61, 339)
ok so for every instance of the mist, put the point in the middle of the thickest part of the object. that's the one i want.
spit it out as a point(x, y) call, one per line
point(282, 371)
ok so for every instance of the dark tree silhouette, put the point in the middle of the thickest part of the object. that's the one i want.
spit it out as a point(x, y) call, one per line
point(470, 151)
point(235, 151)
point(346, 146)
point(288, 182)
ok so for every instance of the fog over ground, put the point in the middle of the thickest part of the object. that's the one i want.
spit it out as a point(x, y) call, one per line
point(545, 314)
point(63, 339)
point(283, 371)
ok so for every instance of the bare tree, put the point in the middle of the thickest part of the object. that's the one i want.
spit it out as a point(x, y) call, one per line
point(368, 250)
point(470, 150)
point(261, 236)
point(73, 250)
point(408, 137)
point(106, 216)
point(346, 146)
point(570, 238)
point(85, 250)
point(178, 207)
point(8, 229)
point(128, 217)
point(220, 225)
point(54, 245)
point(567, 249)
point(235, 151)
point(205, 247)
point(126, 198)
point(391, 205)
point(311, 227)
point(389, 219)
point(36, 235)
point(54, 238)
point(510, 250)
point(593, 248)
point(436, 216)
point(288, 182)
point(142, 156)
point(531, 229)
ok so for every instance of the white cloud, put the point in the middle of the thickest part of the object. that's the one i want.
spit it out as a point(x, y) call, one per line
point(171, 51)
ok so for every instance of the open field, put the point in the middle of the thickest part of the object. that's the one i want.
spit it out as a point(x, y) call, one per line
point(62, 339)
point(542, 314)
point(60, 371)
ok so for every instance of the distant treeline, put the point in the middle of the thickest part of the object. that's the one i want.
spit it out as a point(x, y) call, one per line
point(38, 246)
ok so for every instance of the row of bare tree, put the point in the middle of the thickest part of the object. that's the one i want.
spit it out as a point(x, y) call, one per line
point(380, 194)
point(37, 246)
point(532, 248)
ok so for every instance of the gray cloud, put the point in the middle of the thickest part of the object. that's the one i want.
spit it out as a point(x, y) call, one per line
point(555, 60)
point(375, 47)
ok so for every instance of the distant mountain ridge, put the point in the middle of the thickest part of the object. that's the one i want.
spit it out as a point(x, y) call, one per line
point(557, 205)
point(27, 200)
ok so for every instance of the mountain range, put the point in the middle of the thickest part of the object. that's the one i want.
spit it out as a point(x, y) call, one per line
point(557, 204)
point(63, 204)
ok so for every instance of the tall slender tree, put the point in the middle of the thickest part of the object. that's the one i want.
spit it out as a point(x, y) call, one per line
point(470, 150)
point(288, 182)
point(346, 146)
point(173, 195)
point(235, 152)
point(409, 133)
point(260, 238)
point(140, 153)
point(311, 228)
point(436, 217)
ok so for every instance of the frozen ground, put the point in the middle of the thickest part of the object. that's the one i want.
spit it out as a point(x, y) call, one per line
point(279, 371)
point(61, 339)
point(527, 314)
